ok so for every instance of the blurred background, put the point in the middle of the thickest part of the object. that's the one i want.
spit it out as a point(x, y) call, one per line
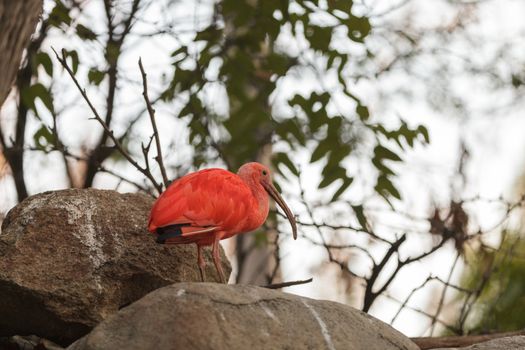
point(394, 130)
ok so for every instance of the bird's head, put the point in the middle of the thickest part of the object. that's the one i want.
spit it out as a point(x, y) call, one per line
point(262, 175)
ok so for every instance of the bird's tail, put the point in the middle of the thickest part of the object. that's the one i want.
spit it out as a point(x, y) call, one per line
point(182, 233)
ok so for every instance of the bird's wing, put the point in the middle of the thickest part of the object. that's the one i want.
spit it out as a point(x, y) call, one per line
point(198, 204)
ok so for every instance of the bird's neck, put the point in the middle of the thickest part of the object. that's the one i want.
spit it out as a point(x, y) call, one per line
point(261, 201)
point(261, 198)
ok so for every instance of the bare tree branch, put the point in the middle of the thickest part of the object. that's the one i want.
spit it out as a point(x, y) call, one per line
point(151, 113)
point(145, 171)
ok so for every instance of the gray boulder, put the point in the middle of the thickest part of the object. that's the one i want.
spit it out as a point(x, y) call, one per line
point(71, 258)
point(214, 316)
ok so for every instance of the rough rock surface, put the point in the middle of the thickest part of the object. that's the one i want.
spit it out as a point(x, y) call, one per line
point(508, 343)
point(215, 316)
point(71, 258)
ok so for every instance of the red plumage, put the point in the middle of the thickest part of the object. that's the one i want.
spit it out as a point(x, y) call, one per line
point(207, 198)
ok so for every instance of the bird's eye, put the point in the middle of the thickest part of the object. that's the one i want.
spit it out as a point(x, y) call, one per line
point(264, 172)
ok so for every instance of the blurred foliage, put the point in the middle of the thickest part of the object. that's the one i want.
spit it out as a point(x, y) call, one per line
point(501, 273)
point(240, 51)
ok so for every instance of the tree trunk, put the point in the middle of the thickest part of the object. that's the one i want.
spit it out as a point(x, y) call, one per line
point(250, 125)
point(18, 20)
point(256, 264)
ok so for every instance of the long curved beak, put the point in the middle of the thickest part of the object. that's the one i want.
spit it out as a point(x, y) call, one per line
point(272, 191)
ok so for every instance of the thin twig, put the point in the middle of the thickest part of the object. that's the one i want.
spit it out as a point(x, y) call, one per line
point(151, 113)
point(287, 284)
point(421, 312)
point(126, 180)
point(443, 294)
point(405, 302)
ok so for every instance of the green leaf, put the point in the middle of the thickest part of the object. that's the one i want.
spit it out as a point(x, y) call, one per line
point(319, 37)
point(346, 183)
point(74, 59)
point(59, 14)
point(360, 215)
point(331, 59)
point(330, 174)
point(182, 49)
point(282, 158)
point(340, 76)
point(44, 94)
point(95, 76)
point(211, 33)
point(43, 59)
point(204, 58)
point(381, 167)
point(317, 119)
point(298, 100)
point(290, 127)
point(342, 151)
point(342, 5)
point(362, 111)
point(516, 81)
point(424, 131)
point(408, 134)
point(278, 187)
point(323, 148)
point(44, 139)
point(358, 28)
point(85, 33)
point(385, 187)
point(382, 152)
point(112, 53)
point(317, 116)
point(278, 63)
point(30, 94)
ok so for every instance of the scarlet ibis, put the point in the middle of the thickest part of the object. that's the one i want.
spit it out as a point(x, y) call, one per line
point(213, 204)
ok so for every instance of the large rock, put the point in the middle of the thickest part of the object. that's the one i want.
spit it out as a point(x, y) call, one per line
point(69, 259)
point(507, 343)
point(214, 316)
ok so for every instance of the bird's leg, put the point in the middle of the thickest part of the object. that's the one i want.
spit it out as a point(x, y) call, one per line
point(217, 259)
point(200, 261)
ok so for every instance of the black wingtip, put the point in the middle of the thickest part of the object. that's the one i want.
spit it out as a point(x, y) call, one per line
point(167, 232)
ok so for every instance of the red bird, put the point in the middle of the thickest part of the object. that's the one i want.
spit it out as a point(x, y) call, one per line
point(213, 204)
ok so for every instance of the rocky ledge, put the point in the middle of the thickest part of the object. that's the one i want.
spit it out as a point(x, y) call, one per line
point(69, 259)
point(78, 268)
point(215, 316)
